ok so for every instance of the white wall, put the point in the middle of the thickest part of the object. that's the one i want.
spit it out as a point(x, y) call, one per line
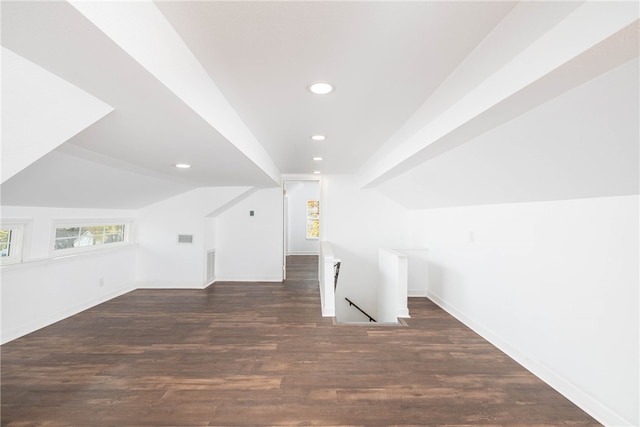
point(357, 223)
point(162, 261)
point(417, 271)
point(392, 285)
point(298, 192)
point(250, 248)
point(43, 290)
point(553, 284)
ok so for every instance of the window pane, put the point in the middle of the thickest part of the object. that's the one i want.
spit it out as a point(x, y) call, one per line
point(114, 229)
point(67, 232)
point(5, 243)
point(5, 236)
point(94, 231)
point(77, 237)
point(64, 243)
point(111, 238)
point(313, 228)
point(313, 209)
point(85, 239)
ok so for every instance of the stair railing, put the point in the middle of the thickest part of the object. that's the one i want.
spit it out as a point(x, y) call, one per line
point(351, 303)
point(336, 269)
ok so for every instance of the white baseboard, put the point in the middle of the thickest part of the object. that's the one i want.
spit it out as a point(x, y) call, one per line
point(303, 253)
point(165, 284)
point(417, 293)
point(59, 315)
point(248, 279)
point(404, 313)
point(583, 400)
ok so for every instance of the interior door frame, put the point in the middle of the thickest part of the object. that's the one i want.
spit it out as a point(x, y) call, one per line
point(285, 215)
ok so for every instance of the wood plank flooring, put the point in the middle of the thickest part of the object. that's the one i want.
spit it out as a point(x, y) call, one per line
point(261, 354)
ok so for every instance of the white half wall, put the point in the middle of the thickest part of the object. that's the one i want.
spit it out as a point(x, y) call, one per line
point(39, 293)
point(357, 222)
point(554, 285)
point(250, 248)
point(392, 285)
point(42, 289)
point(298, 192)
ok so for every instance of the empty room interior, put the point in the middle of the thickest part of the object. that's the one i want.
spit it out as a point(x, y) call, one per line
point(320, 213)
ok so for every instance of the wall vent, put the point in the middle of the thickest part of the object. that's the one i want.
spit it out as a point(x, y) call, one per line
point(185, 238)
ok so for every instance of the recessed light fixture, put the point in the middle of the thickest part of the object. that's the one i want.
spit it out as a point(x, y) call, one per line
point(182, 166)
point(318, 137)
point(317, 158)
point(320, 88)
point(316, 172)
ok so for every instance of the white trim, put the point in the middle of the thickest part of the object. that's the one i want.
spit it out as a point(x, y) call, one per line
point(303, 253)
point(167, 284)
point(300, 177)
point(583, 400)
point(45, 262)
point(417, 293)
point(15, 242)
point(248, 279)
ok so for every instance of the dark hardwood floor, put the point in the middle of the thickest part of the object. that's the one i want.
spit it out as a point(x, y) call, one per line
point(261, 354)
point(302, 268)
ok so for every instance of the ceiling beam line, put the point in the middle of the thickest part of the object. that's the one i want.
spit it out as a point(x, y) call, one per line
point(142, 31)
point(587, 26)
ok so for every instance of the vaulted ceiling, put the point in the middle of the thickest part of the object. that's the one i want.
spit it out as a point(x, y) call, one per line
point(102, 99)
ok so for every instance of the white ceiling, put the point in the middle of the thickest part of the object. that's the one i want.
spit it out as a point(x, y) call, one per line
point(396, 66)
point(150, 127)
point(384, 58)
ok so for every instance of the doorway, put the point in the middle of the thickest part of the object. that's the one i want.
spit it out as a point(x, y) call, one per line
point(301, 236)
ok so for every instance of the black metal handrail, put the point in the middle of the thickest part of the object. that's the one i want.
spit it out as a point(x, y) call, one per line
point(351, 303)
point(336, 269)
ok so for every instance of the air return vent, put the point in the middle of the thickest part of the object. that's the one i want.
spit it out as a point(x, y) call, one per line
point(185, 238)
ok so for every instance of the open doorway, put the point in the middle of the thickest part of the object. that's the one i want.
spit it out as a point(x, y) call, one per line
point(301, 229)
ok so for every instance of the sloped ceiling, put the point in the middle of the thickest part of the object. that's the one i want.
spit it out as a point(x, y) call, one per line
point(579, 145)
point(45, 112)
point(222, 86)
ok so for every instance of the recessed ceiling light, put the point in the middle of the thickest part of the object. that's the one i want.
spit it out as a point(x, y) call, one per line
point(320, 88)
point(318, 137)
point(182, 165)
point(316, 172)
point(317, 158)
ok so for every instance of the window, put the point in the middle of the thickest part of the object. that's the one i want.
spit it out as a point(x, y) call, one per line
point(11, 243)
point(313, 219)
point(68, 238)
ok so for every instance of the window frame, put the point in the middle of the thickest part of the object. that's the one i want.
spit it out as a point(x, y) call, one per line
point(16, 242)
point(57, 224)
